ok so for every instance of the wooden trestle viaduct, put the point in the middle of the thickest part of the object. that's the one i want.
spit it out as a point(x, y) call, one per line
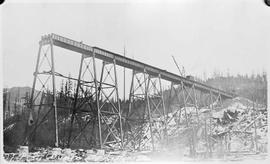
point(147, 111)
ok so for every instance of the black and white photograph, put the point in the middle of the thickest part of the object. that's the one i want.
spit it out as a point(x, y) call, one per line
point(134, 81)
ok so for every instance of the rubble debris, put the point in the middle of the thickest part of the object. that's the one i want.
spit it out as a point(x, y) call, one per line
point(236, 117)
point(78, 155)
point(233, 138)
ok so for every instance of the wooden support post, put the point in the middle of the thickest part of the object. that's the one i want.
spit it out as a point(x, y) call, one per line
point(54, 96)
point(149, 109)
point(131, 92)
point(118, 103)
point(97, 100)
point(164, 110)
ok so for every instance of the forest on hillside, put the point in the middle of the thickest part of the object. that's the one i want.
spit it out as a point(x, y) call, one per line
point(253, 87)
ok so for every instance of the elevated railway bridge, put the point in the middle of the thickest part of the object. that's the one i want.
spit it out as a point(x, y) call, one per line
point(147, 113)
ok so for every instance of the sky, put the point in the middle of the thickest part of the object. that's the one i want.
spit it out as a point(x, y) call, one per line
point(204, 36)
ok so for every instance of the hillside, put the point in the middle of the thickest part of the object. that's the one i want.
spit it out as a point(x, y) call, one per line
point(253, 87)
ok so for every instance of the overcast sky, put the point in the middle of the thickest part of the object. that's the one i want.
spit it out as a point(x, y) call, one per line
point(203, 35)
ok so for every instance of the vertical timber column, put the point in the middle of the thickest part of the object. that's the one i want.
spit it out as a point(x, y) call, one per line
point(97, 93)
point(164, 110)
point(54, 94)
point(148, 108)
point(131, 92)
point(118, 103)
point(126, 135)
point(97, 99)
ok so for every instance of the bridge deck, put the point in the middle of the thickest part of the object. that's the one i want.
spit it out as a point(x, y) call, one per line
point(128, 63)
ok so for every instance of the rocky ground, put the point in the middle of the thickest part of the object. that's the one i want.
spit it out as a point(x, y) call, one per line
point(235, 117)
point(80, 155)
